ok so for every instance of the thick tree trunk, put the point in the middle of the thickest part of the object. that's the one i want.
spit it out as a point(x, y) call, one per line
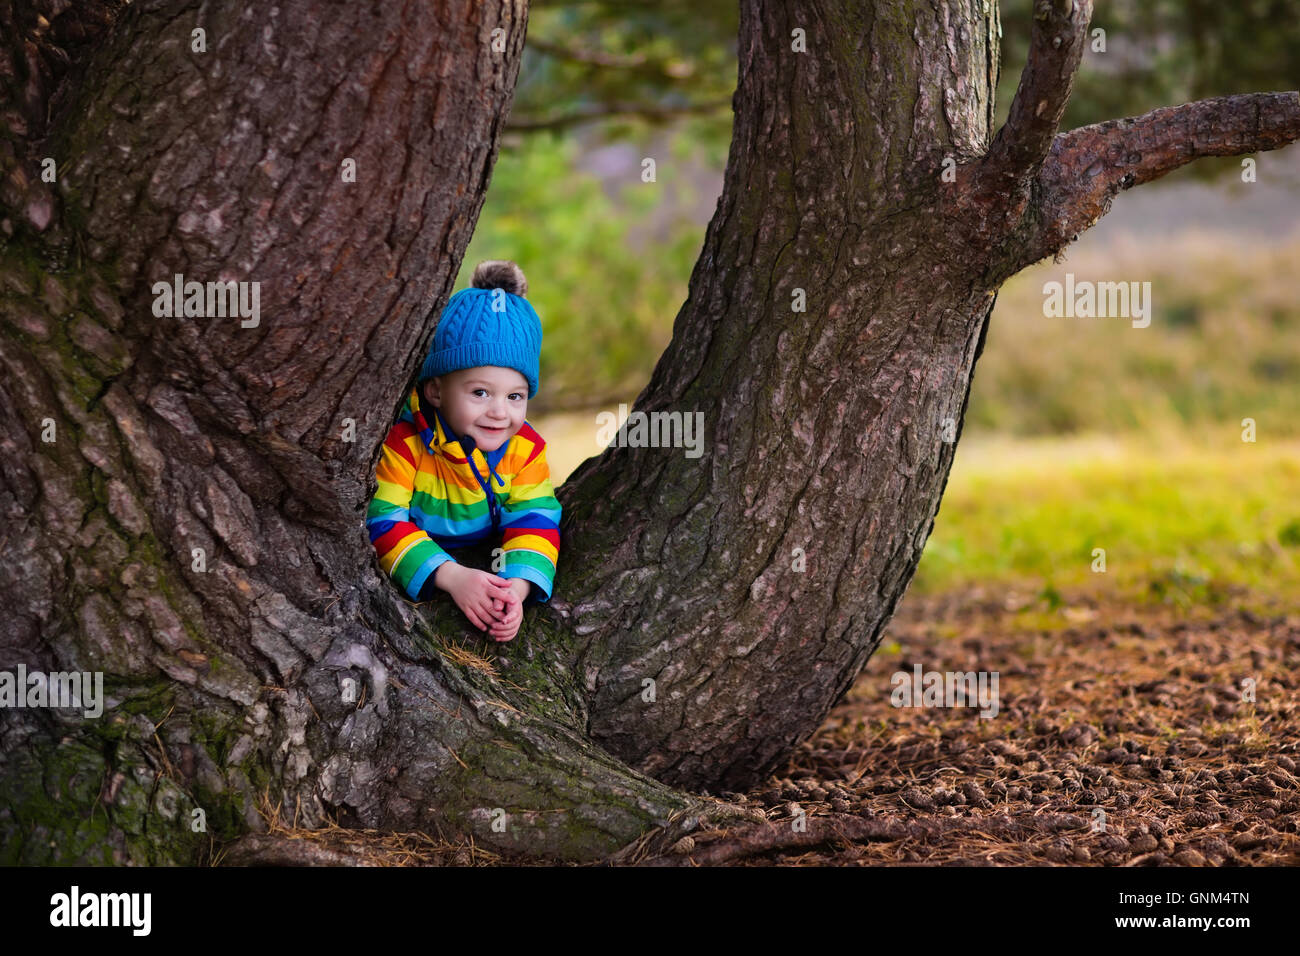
point(184, 497)
point(195, 527)
point(752, 583)
point(747, 587)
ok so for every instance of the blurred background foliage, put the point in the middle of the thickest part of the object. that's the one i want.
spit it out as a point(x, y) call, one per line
point(605, 84)
point(620, 61)
point(625, 65)
point(1078, 431)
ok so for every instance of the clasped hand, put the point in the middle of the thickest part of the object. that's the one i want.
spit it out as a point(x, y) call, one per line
point(492, 603)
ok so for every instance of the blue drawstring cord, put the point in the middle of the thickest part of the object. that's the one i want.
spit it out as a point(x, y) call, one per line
point(494, 506)
point(468, 444)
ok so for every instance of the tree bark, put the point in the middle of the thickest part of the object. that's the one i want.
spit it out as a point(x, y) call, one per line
point(753, 583)
point(185, 496)
point(175, 437)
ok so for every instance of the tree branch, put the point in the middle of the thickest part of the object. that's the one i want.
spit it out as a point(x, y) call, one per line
point(651, 111)
point(678, 69)
point(719, 847)
point(1089, 166)
point(1055, 48)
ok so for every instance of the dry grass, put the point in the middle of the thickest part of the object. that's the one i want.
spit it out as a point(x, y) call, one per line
point(286, 844)
point(464, 657)
point(1223, 344)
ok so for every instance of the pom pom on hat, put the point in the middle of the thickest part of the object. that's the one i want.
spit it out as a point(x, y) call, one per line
point(500, 274)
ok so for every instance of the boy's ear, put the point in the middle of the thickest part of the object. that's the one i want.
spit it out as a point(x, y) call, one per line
point(430, 394)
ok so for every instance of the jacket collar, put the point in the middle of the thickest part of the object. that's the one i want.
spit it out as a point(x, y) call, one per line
point(439, 439)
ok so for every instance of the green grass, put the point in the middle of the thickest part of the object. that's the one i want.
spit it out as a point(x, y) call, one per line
point(1178, 523)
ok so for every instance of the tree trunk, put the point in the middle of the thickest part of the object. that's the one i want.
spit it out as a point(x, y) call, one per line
point(747, 587)
point(180, 439)
point(752, 583)
point(185, 496)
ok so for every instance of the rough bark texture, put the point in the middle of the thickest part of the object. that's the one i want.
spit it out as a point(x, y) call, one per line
point(1088, 167)
point(830, 431)
point(750, 584)
point(171, 435)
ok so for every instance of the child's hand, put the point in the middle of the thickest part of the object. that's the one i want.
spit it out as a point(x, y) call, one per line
point(512, 613)
point(480, 596)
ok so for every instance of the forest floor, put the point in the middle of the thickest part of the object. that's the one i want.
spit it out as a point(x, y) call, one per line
point(1123, 736)
point(1120, 739)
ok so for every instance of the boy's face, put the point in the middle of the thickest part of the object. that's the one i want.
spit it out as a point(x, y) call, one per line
point(488, 403)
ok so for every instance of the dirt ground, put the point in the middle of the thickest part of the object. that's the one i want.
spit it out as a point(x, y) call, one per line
point(1136, 712)
point(1121, 739)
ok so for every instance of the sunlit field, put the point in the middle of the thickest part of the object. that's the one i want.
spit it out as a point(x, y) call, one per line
point(1177, 521)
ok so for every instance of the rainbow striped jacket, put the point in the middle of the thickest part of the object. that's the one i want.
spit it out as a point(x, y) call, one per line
point(432, 497)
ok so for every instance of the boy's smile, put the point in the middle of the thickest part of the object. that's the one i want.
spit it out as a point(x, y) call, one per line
point(487, 403)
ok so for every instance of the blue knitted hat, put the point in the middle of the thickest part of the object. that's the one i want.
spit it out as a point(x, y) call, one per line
point(490, 323)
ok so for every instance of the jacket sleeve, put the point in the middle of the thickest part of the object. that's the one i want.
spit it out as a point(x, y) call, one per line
point(530, 524)
point(406, 553)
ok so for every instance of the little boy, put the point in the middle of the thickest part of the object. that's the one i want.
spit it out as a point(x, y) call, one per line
point(462, 463)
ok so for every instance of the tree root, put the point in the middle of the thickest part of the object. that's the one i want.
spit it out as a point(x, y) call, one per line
point(726, 846)
point(661, 842)
point(258, 849)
